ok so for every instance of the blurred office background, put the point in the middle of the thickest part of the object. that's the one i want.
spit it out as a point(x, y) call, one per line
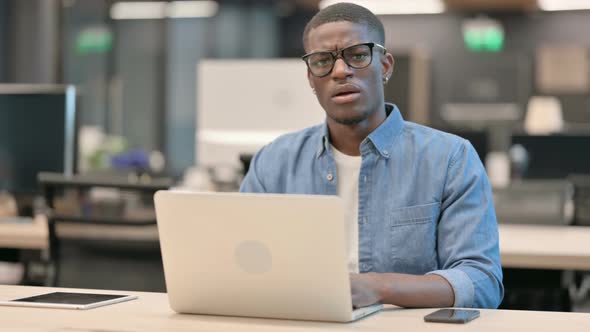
point(186, 91)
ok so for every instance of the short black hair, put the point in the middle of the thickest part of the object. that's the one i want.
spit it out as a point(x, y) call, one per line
point(345, 11)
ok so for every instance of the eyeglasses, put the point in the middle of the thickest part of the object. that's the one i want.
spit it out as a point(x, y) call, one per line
point(357, 56)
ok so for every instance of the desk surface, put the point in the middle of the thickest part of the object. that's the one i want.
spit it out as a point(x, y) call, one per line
point(545, 247)
point(151, 313)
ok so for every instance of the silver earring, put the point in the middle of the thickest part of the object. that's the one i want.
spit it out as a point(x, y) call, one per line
point(385, 80)
point(313, 90)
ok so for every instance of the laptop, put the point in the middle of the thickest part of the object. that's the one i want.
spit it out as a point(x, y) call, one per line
point(256, 255)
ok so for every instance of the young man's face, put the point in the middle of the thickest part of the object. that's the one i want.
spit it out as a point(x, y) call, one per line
point(349, 96)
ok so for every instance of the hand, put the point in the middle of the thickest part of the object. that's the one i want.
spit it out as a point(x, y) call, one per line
point(365, 289)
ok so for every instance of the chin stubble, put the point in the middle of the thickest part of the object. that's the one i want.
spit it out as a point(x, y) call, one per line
point(349, 122)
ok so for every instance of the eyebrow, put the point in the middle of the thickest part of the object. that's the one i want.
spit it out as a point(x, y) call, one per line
point(337, 49)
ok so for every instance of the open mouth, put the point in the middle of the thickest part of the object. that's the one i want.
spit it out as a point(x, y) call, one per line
point(346, 95)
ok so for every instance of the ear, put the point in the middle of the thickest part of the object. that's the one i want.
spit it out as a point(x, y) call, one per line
point(387, 63)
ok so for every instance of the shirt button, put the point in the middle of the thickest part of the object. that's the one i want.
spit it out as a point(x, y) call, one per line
point(364, 267)
point(329, 177)
point(385, 152)
point(364, 220)
point(365, 178)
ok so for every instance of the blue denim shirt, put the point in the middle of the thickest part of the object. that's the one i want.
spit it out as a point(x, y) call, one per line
point(425, 203)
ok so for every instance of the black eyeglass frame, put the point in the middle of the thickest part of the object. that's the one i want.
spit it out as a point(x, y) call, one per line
point(340, 54)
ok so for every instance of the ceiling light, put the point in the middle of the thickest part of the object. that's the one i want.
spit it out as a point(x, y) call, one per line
point(192, 9)
point(394, 7)
point(138, 10)
point(556, 5)
point(162, 9)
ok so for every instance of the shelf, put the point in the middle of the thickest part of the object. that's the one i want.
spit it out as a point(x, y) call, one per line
point(101, 220)
point(87, 181)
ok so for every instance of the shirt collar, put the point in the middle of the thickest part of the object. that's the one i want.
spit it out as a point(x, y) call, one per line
point(386, 134)
point(324, 141)
point(383, 137)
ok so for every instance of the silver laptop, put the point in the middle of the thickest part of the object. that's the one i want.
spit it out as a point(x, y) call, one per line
point(256, 255)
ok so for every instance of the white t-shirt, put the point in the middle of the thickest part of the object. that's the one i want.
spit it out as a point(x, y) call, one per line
point(347, 171)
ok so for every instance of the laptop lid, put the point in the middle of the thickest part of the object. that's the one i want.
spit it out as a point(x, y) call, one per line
point(256, 255)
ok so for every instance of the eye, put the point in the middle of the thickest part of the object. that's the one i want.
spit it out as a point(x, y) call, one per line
point(320, 60)
point(359, 56)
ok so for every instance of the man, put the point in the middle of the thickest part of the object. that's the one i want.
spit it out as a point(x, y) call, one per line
point(422, 225)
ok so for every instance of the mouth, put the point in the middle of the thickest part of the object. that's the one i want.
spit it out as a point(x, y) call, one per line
point(346, 94)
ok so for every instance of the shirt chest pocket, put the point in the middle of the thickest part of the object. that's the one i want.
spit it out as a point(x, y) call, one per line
point(413, 238)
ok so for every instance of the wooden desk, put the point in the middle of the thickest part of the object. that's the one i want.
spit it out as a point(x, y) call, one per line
point(545, 247)
point(33, 235)
point(151, 313)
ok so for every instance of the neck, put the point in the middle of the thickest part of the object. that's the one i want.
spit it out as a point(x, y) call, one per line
point(348, 138)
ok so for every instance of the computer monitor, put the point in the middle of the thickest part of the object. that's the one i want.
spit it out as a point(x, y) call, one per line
point(244, 104)
point(489, 91)
point(37, 133)
point(555, 156)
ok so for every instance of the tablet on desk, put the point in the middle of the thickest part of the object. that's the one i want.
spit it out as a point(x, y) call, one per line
point(65, 300)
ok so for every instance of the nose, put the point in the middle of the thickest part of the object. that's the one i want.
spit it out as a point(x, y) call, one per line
point(341, 70)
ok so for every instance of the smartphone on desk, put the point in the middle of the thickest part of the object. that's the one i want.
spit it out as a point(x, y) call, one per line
point(458, 316)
